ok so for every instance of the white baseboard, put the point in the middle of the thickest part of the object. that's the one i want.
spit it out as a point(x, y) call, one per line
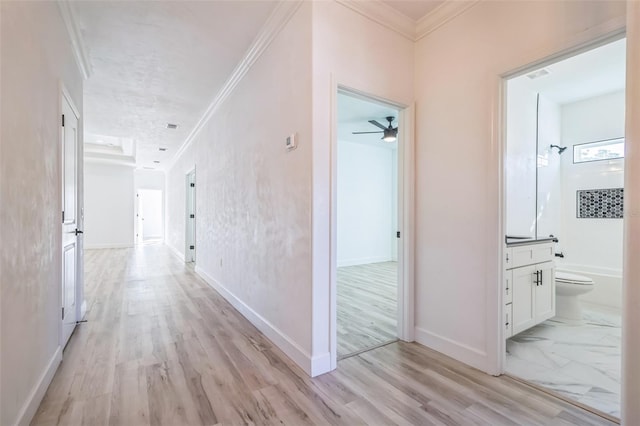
point(362, 261)
point(456, 350)
point(107, 246)
point(37, 393)
point(313, 367)
point(175, 251)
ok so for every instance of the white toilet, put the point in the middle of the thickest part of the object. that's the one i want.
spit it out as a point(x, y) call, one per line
point(568, 287)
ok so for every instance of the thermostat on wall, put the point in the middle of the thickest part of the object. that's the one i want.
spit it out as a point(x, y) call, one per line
point(292, 142)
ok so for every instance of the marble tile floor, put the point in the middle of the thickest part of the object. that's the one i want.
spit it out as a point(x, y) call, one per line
point(581, 362)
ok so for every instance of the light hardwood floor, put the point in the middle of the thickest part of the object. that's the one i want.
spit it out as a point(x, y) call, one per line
point(162, 348)
point(367, 306)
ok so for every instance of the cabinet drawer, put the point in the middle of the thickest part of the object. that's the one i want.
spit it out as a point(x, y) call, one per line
point(530, 254)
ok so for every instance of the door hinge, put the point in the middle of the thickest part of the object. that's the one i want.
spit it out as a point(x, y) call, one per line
point(192, 216)
point(63, 312)
point(193, 185)
point(398, 234)
point(63, 216)
point(192, 247)
point(62, 120)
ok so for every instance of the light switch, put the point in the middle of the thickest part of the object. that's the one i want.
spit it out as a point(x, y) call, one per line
point(292, 142)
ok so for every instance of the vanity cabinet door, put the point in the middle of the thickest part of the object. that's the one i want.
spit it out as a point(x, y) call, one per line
point(545, 292)
point(523, 304)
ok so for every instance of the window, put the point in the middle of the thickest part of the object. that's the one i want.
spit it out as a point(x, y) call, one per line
point(601, 150)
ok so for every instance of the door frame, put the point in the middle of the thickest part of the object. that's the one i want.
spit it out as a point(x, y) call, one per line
point(497, 352)
point(81, 305)
point(406, 216)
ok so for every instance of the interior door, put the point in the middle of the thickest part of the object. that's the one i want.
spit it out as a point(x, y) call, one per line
point(139, 218)
point(70, 230)
point(190, 249)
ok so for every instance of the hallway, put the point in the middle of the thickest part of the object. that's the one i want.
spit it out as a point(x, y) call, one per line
point(161, 348)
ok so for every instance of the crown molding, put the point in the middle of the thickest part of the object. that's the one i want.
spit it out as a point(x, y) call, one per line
point(441, 15)
point(384, 15)
point(272, 27)
point(390, 18)
point(75, 36)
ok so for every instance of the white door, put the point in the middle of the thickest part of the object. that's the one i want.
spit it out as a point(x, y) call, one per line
point(190, 249)
point(139, 219)
point(70, 229)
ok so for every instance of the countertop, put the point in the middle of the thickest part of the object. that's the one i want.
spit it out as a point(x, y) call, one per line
point(512, 240)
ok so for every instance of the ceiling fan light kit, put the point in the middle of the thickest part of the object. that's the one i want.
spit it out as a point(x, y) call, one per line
point(390, 133)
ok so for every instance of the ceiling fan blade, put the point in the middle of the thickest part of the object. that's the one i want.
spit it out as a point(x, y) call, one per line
point(363, 133)
point(375, 123)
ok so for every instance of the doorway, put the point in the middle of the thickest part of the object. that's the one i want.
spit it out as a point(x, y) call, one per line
point(71, 234)
point(564, 184)
point(367, 225)
point(150, 221)
point(190, 219)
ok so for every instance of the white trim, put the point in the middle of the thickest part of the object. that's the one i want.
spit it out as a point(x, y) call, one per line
point(440, 16)
point(108, 246)
point(456, 350)
point(32, 403)
point(75, 37)
point(312, 367)
point(406, 224)
point(280, 16)
point(390, 18)
point(384, 15)
point(175, 251)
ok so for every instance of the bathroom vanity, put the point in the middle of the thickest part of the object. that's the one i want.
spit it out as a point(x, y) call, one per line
point(529, 290)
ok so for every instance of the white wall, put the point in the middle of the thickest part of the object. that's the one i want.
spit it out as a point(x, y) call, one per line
point(108, 206)
point(366, 204)
point(593, 246)
point(352, 51)
point(36, 57)
point(458, 212)
point(253, 197)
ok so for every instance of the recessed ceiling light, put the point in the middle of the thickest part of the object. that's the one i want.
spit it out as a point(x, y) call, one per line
point(162, 149)
point(156, 161)
point(172, 126)
point(149, 168)
point(537, 74)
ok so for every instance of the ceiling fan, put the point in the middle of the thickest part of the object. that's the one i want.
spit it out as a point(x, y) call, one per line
point(390, 133)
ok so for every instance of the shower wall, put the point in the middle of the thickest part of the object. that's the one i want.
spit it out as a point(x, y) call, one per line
point(592, 247)
point(549, 200)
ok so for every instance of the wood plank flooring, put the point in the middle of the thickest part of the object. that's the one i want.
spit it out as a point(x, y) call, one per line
point(367, 306)
point(162, 348)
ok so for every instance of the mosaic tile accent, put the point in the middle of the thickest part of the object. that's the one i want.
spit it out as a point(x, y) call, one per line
point(600, 203)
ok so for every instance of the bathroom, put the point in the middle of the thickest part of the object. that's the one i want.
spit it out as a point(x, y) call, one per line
point(564, 178)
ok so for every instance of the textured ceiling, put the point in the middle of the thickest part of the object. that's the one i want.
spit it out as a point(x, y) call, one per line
point(414, 9)
point(159, 62)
